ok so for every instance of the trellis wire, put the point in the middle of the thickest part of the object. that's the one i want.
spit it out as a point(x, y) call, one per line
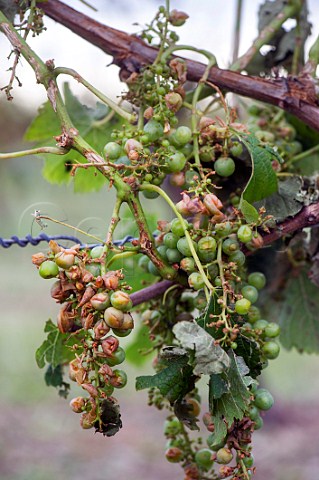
point(43, 237)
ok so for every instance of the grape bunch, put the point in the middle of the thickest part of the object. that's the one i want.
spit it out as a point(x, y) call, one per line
point(94, 304)
point(204, 162)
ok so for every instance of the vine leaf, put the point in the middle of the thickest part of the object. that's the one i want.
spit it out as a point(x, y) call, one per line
point(209, 358)
point(263, 180)
point(229, 396)
point(55, 350)
point(298, 314)
point(285, 202)
point(45, 127)
point(174, 381)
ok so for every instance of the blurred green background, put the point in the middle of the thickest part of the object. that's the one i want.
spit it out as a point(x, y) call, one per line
point(40, 437)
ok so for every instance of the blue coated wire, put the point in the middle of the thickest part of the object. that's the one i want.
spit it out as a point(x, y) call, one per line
point(43, 237)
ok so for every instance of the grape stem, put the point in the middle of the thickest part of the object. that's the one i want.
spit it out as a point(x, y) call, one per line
point(131, 118)
point(222, 277)
point(154, 188)
point(34, 151)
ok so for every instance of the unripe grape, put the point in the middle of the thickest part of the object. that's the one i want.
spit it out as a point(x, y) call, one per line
point(177, 227)
point(172, 427)
point(261, 324)
point(244, 234)
point(242, 306)
point(237, 257)
point(152, 269)
point(77, 404)
point(250, 292)
point(121, 300)
point(271, 350)
point(64, 260)
point(188, 264)
point(257, 280)
point(200, 301)
point(224, 166)
point(183, 135)
point(48, 269)
point(223, 229)
point(196, 281)
point(116, 357)
point(207, 249)
point(97, 251)
point(263, 399)
point(119, 379)
point(259, 423)
point(154, 130)
point(224, 456)
point(230, 246)
point(112, 150)
point(113, 317)
point(203, 458)
point(254, 314)
point(100, 301)
point(173, 255)
point(272, 330)
point(170, 240)
point(184, 248)
point(176, 162)
point(143, 263)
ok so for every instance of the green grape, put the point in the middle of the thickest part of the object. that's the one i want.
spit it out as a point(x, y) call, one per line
point(254, 314)
point(150, 195)
point(238, 257)
point(196, 281)
point(48, 269)
point(271, 350)
point(242, 306)
point(200, 301)
point(257, 280)
point(113, 150)
point(184, 247)
point(236, 149)
point(244, 234)
point(203, 458)
point(260, 324)
point(188, 264)
point(224, 166)
point(272, 330)
point(143, 263)
point(223, 229)
point(176, 162)
point(230, 246)
point(183, 135)
point(207, 249)
point(119, 379)
point(263, 399)
point(224, 456)
point(177, 227)
point(173, 255)
point(116, 358)
point(250, 292)
point(121, 300)
point(97, 252)
point(259, 423)
point(170, 240)
point(152, 269)
point(172, 427)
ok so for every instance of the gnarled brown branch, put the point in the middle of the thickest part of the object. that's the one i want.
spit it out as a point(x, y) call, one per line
point(296, 95)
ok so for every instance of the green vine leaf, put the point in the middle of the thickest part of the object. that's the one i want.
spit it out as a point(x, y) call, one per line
point(209, 358)
point(229, 396)
point(55, 350)
point(45, 127)
point(297, 313)
point(174, 381)
point(263, 180)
